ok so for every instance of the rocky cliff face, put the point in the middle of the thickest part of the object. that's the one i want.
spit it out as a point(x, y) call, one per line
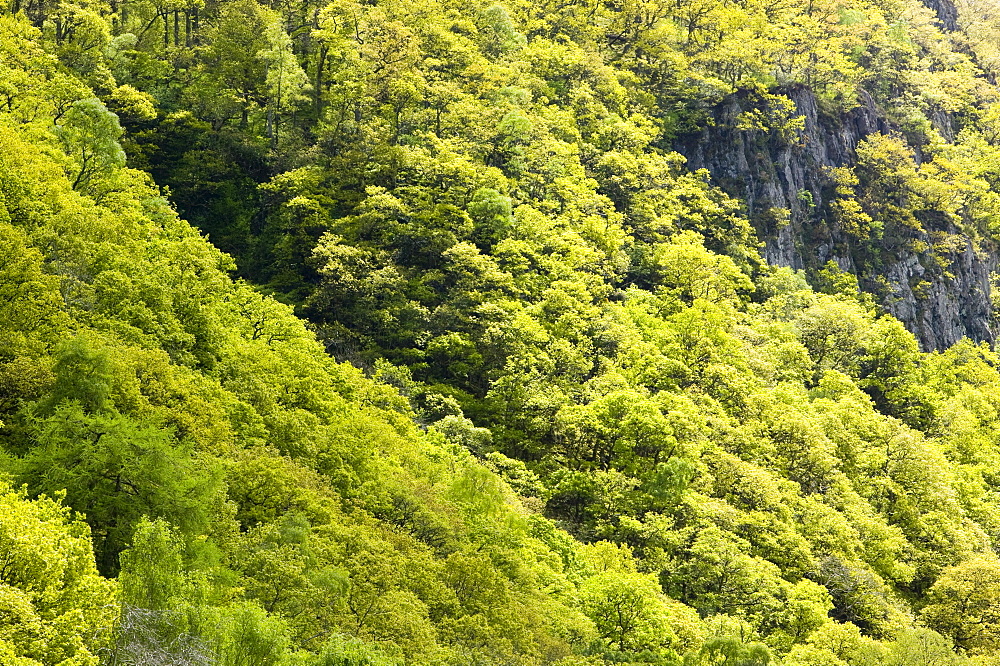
point(946, 12)
point(786, 185)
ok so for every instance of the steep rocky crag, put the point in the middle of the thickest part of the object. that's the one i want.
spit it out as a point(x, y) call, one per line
point(946, 12)
point(939, 288)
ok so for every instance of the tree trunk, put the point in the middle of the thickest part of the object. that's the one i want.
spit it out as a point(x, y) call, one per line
point(318, 88)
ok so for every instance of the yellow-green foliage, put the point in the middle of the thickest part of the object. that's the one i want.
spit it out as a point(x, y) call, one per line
point(582, 422)
point(54, 607)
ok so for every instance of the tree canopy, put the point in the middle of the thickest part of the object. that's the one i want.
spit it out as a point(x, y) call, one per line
point(383, 333)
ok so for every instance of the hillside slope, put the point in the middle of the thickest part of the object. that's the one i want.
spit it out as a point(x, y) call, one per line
point(584, 421)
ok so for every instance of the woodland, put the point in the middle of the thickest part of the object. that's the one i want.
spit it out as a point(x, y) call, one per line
point(392, 332)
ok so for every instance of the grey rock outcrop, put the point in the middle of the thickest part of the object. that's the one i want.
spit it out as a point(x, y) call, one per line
point(946, 12)
point(785, 182)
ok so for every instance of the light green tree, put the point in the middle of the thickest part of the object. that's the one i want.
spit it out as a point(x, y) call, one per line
point(56, 609)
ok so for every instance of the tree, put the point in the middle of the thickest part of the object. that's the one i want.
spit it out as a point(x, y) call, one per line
point(630, 611)
point(833, 332)
point(28, 297)
point(55, 607)
point(920, 646)
point(115, 470)
point(729, 651)
point(965, 604)
point(84, 374)
point(286, 82)
point(90, 134)
point(240, 36)
point(347, 651)
point(152, 627)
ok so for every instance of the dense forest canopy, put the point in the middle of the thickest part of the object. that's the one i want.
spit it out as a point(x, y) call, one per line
point(379, 333)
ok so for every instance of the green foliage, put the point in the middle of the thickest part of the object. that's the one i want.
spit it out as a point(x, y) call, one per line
point(596, 427)
point(962, 606)
point(55, 607)
point(90, 134)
